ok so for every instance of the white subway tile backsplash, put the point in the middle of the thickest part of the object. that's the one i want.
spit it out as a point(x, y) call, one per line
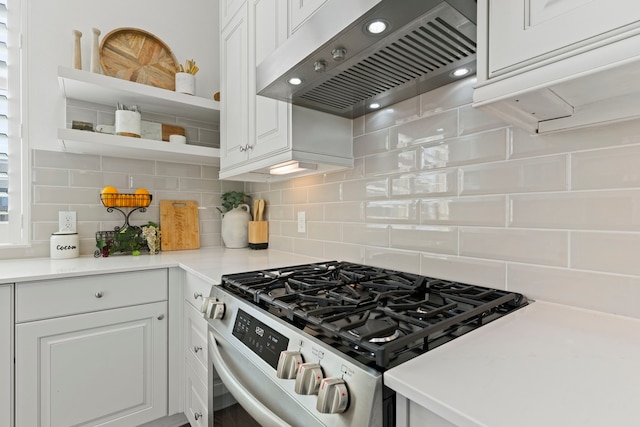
point(474, 120)
point(306, 181)
point(80, 178)
point(281, 243)
point(201, 185)
point(487, 211)
point(44, 176)
point(442, 240)
point(312, 212)
point(294, 195)
point(392, 162)
point(280, 213)
point(392, 115)
point(372, 143)
point(44, 195)
point(394, 259)
point(447, 97)
point(607, 252)
point(323, 193)
point(364, 189)
point(344, 252)
point(324, 231)
point(308, 248)
point(440, 183)
point(466, 270)
point(55, 159)
point(425, 130)
point(594, 291)
point(366, 234)
point(390, 211)
point(610, 168)
point(595, 210)
point(118, 164)
point(527, 246)
point(178, 169)
point(344, 212)
point(476, 148)
point(539, 174)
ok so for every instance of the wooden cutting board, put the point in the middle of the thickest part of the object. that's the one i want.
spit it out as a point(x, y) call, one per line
point(168, 130)
point(179, 224)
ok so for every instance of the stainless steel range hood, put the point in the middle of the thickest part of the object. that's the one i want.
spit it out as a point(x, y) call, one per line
point(426, 42)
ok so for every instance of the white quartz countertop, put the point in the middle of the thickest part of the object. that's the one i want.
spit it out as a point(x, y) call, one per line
point(544, 365)
point(208, 263)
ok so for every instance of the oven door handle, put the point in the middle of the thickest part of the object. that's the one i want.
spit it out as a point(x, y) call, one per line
point(253, 406)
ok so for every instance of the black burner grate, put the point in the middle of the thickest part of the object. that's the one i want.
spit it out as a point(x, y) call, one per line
point(380, 315)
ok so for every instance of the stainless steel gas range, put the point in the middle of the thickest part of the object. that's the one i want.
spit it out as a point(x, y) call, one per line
point(307, 345)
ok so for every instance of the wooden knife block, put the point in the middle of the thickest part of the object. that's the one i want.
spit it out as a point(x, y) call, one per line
point(258, 234)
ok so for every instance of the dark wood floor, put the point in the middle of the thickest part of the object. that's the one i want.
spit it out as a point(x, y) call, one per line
point(234, 416)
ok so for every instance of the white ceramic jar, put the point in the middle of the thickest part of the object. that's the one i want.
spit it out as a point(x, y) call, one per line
point(235, 227)
point(64, 245)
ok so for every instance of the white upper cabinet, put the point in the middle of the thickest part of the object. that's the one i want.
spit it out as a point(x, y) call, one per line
point(300, 11)
point(257, 133)
point(546, 29)
point(234, 90)
point(548, 65)
point(228, 8)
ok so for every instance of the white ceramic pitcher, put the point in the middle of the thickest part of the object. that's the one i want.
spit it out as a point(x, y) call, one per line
point(235, 226)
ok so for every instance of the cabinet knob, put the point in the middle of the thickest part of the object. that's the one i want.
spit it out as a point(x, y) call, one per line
point(99, 294)
point(161, 317)
point(197, 348)
point(197, 295)
point(197, 416)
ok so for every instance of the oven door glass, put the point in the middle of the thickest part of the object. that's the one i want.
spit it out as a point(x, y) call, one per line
point(241, 394)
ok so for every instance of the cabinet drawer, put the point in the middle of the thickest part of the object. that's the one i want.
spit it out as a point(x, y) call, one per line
point(195, 399)
point(196, 288)
point(74, 295)
point(196, 339)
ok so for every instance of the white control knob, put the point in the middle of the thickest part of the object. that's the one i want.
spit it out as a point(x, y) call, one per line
point(288, 364)
point(333, 396)
point(308, 378)
point(215, 309)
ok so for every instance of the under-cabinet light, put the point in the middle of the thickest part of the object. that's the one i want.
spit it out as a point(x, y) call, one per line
point(295, 81)
point(291, 168)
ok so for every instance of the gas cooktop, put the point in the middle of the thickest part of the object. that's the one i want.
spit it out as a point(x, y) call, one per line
point(378, 316)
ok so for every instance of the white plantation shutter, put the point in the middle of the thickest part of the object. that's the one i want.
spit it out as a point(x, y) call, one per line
point(13, 155)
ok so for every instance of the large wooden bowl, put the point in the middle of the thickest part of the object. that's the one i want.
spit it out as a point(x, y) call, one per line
point(138, 56)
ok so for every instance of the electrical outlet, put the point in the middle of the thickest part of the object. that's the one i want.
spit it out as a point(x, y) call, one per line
point(302, 224)
point(67, 221)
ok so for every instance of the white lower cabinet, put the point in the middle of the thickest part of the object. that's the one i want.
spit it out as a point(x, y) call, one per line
point(195, 351)
point(104, 367)
point(6, 355)
point(411, 414)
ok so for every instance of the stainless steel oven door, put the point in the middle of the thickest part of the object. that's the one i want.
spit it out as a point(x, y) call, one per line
point(238, 389)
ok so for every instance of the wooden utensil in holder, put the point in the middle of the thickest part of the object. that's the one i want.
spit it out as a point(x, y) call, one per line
point(258, 228)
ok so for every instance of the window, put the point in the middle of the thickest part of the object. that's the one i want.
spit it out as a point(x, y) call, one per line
point(13, 154)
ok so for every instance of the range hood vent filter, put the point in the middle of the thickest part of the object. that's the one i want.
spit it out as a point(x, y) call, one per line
point(409, 57)
point(429, 40)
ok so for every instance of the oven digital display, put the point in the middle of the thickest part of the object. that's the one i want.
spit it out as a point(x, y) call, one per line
point(260, 338)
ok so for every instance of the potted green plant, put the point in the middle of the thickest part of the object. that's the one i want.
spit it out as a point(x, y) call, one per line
point(233, 199)
point(235, 219)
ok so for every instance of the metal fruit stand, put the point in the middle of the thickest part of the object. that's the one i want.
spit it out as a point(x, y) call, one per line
point(124, 239)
